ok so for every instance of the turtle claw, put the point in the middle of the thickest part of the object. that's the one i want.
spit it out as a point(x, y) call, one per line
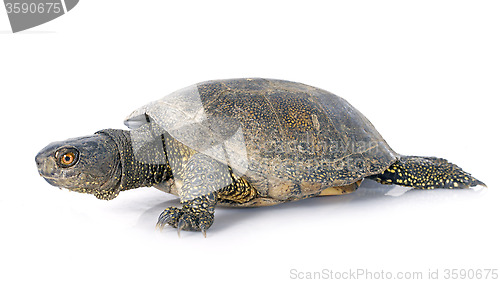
point(204, 232)
point(159, 226)
point(168, 217)
point(181, 225)
point(185, 219)
point(179, 229)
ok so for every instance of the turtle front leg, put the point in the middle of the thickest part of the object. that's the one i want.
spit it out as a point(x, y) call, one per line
point(202, 177)
point(195, 215)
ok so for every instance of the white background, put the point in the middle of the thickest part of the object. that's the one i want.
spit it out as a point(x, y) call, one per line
point(426, 73)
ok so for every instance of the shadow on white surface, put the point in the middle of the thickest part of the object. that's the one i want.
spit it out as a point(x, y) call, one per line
point(371, 196)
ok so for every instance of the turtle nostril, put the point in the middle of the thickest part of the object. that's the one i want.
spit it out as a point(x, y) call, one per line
point(44, 165)
point(39, 161)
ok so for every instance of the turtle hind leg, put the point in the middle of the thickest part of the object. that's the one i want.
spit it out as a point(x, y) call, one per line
point(426, 173)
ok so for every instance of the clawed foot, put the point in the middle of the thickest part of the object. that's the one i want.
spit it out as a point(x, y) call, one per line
point(186, 218)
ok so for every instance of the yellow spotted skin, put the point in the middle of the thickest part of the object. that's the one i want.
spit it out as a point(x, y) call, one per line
point(426, 173)
point(239, 192)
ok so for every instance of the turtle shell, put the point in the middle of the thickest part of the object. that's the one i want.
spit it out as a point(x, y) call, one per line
point(268, 131)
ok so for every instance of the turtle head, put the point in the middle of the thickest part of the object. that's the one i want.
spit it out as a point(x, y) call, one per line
point(89, 164)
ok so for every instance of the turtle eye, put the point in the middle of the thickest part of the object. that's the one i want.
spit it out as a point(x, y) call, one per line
point(67, 157)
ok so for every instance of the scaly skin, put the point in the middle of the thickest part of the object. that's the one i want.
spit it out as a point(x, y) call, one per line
point(426, 173)
point(201, 178)
point(195, 215)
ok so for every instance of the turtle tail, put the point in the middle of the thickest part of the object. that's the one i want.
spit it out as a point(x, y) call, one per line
point(426, 173)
